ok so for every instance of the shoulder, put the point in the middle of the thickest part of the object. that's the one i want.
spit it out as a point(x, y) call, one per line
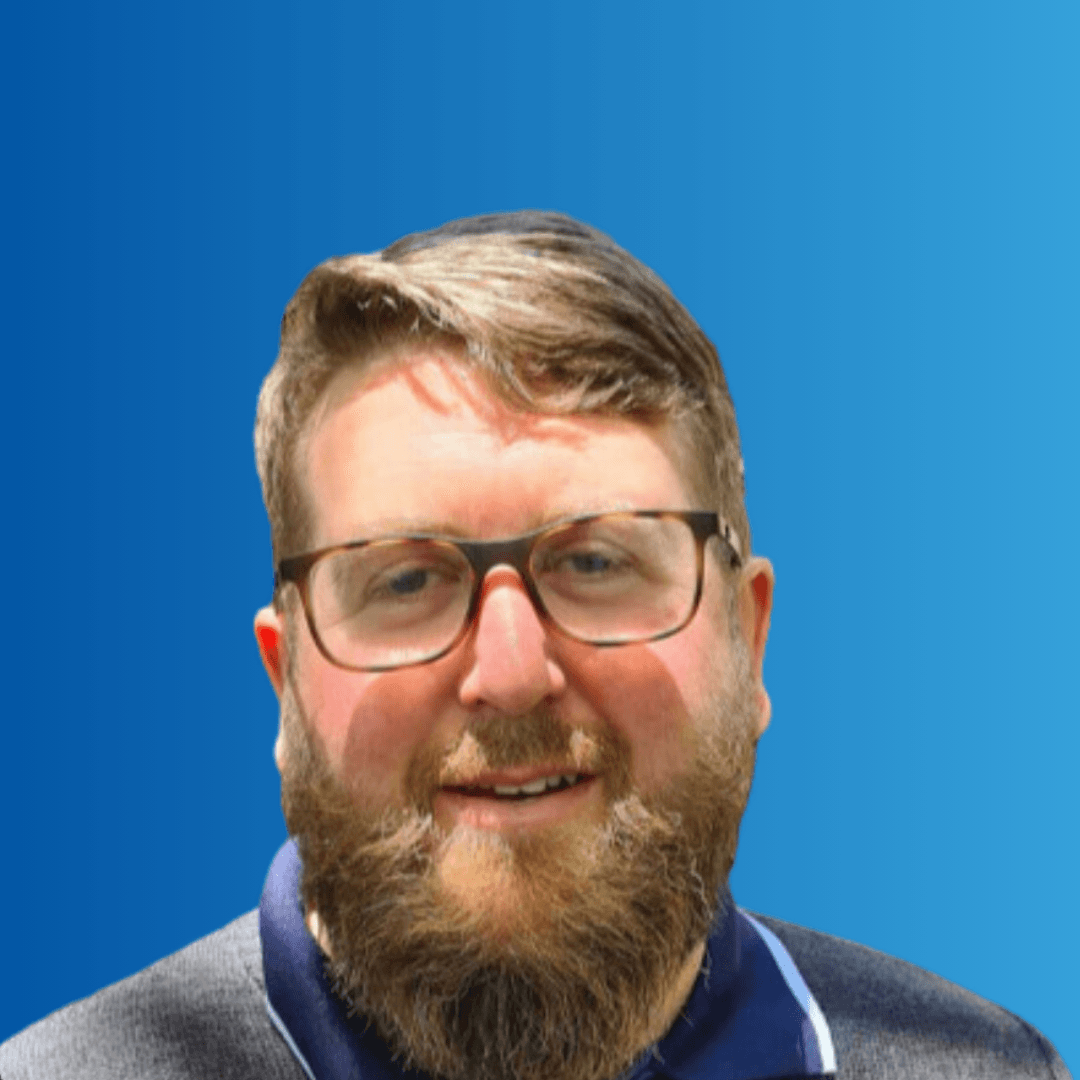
point(199, 1012)
point(889, 1018)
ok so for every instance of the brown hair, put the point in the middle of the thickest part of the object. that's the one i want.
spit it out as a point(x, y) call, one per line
point(555, 316)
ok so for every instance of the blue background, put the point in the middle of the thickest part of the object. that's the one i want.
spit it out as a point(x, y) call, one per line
point(871, 208)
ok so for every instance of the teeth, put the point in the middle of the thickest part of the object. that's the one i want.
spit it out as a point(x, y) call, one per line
point(537, 787)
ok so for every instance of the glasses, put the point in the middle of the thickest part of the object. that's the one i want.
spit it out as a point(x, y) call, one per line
point(605, 579)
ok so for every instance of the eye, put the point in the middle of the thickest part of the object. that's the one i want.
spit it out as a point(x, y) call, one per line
point(585, 564)
point(409, 582)
point(589, 562)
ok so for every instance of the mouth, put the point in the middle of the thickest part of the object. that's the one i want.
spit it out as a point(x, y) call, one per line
point(541, 786)
point(508, 802)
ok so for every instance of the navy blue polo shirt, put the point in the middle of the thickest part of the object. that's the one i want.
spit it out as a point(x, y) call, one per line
point(750, 1015)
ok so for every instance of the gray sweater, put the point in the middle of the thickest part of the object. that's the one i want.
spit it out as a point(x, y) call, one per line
point(201, 1014)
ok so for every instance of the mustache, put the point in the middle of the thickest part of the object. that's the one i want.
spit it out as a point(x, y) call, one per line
point(536, 739)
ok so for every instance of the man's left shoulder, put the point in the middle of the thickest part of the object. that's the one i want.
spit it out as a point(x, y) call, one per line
point(889, 1018)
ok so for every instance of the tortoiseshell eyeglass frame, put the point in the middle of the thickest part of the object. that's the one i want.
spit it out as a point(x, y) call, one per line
point(516, 552)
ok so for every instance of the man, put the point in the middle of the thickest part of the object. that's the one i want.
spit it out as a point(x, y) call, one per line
point(517, 635)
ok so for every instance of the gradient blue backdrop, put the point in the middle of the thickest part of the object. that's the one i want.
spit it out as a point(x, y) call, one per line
point(872, 209)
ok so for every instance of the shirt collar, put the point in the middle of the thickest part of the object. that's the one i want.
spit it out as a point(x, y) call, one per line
point(750, 1015)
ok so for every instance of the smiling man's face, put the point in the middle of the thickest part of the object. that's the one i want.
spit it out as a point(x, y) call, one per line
point(419, 871)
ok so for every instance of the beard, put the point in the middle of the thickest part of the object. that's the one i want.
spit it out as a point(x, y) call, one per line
point(482, 956)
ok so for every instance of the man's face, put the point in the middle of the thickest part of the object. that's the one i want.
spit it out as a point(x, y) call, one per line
point(660, 734)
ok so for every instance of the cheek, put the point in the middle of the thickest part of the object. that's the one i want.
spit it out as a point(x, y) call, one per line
point(372, 725)
point(653, 695)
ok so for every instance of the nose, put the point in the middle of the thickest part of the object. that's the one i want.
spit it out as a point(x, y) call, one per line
point(510, 667)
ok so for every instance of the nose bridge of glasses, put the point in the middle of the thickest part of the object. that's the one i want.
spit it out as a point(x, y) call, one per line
point(485, 555)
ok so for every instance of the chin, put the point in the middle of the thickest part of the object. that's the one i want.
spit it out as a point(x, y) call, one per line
point(502, 884)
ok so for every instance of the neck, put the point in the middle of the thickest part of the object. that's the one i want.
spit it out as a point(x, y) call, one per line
point(318, 932)
point(677, 996)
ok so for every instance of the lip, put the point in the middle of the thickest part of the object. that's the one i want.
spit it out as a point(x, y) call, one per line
point(453, 806)
point(515, 776)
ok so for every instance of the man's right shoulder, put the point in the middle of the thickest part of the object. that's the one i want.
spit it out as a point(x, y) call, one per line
point(200, 1012)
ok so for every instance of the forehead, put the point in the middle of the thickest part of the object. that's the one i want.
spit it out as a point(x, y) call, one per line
point(418, 441)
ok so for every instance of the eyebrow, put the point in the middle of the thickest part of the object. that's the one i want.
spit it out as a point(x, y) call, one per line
point(419, 526)
point(410, 527)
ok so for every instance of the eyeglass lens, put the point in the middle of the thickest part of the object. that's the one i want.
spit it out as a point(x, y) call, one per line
point(610, 580)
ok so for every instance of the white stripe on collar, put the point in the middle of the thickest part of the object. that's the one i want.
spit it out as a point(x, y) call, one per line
point(284, 1032)
point(800, 991)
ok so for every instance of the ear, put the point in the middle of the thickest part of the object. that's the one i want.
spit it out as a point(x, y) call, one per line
point(755, 609)
point(270, 635)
